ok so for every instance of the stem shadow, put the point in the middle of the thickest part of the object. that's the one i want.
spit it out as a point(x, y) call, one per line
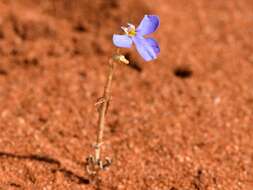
point(46, 159)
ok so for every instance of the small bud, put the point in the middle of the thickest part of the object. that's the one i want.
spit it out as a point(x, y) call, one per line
point(120, 58)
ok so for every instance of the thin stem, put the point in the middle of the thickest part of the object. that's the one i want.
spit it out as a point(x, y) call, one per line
point(102, 111)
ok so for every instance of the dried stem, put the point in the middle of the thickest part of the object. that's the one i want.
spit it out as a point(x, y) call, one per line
point(102, 111)
point(94, 163)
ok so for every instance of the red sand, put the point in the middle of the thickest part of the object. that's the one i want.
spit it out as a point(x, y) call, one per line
point(183, 122)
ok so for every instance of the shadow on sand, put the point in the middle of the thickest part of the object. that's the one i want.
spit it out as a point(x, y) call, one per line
point(46, 159)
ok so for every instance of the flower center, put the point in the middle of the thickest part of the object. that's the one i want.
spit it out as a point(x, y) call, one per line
point(130, 30)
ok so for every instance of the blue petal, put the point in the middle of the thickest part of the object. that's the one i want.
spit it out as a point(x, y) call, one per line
point(148, 25)
point(153, 43)
point(144, 48)
point(123, 41)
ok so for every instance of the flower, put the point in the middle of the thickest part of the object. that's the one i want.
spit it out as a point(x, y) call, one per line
point(148, 48)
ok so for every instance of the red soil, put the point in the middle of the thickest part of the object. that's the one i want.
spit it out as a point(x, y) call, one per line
point(183, 122)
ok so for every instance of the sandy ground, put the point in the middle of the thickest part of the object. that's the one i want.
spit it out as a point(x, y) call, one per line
point(182, 122)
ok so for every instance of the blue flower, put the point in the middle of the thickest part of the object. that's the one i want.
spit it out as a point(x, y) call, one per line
point(148, 48)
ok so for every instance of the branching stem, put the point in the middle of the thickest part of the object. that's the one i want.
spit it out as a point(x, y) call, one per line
point(102, 110)
point(94, 163)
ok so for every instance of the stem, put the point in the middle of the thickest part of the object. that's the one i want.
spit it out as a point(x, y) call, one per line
point(102, 111)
